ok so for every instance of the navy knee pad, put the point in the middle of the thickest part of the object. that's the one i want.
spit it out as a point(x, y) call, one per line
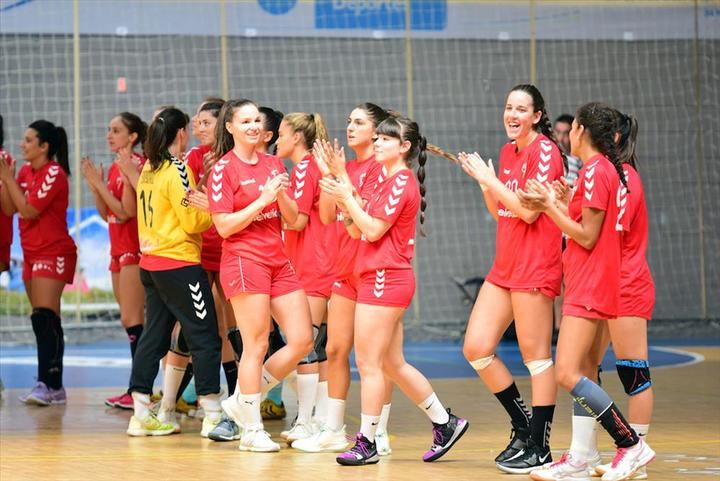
point(312, 356)
point(634, 375)
point(321, 343)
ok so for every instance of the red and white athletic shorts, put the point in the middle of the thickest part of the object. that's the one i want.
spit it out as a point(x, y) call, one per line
point(347, 287)
point(61, 267)
point(126, 259)
point(239, 275)
point(387, 287)
point(586, 312)
point(544, 290)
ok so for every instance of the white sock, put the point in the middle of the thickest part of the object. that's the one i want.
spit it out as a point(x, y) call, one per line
point(211, 405)
point(250, 409)
point(368, 426)
point(307, 391)
point(141, 405)
point(641, 429)
point(171, 384)
point(291, 380)
point(433, 408)
point(335, 414)
point(384, 416)
point(267, 382)
point(584, 438)
point(321, 402)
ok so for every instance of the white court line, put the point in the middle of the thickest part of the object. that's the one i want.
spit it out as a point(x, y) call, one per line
point(71, 361)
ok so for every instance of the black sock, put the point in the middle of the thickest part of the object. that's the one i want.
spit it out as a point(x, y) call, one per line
point(134, 333)
point(599, 370)
point(231, 375)
point(233, 335)
point(540, 424)
point(50, 340)
point(185, 381)
point(513, 403)
point(617, 427)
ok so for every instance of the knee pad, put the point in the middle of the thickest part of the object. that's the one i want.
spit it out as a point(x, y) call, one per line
point(321, 343)
point(235, 340)
point(599, 371)
point(275, 340)
point(312, 355)
point(538, 366)
point(179, 346)
point(482, 363)
point(634, 375)
point(44, 319)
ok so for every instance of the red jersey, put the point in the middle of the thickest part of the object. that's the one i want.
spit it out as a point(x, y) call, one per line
point(364, 177)
point(636, 281)
point(396, 200)
point(6, 235)
point(123, 235)
point(312, 250)
point(528, 256)
point(211, 240)
point(233, 186)
point(46, 189)
point(592, 277)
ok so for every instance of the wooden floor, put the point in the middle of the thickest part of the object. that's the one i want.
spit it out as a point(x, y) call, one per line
point(84, 441)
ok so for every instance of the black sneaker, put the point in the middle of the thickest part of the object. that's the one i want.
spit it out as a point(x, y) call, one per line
point(532, 457)
point(518, 441)
point(364, 452)
point(444, 436)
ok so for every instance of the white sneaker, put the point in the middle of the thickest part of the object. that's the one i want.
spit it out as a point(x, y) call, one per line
point(641, 473)
point(566, 468)
point(382, 443)
point(210, 421)
point(169, 416)
point(257, 440)
point(628, 461)
point(324, 441)
point(232, 409)
point(148, 426)
point(300, 430)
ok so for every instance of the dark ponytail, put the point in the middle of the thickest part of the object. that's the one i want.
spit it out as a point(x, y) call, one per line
point(56, 138)
point(271, 120)
point(162, 133)
point(224, 142)
point(601, 123)
point(544, 125)
point(135, 125)
point(375, 113)
point(628, 130)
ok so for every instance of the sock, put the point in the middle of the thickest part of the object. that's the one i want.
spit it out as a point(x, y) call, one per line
point(141, 405)
point(134, 333)
point(433, 408)
point(641, 429)
point(335, 414)
point(211, 405)
point(307, 391)
point(514, 405)
point(250, 410)
point(321, 402)
point(275, 394)
point(384, 417)
point(267, 382)
point(593, 398)
point(184, 382)
point(171, 383)
point(291, 380)
point(584, 434)
point(50, 345)
point(368, 426)
point(540, 424)
point(231, 375)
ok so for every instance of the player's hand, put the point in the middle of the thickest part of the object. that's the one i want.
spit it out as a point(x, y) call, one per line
point(7, 168)
point(199, 199)
point(321, 155)
point(537, 196)
point(562, 191)
point(273, 186)
point(340, 189)
point(92, 173)
point(475, 167)
point(126, 161)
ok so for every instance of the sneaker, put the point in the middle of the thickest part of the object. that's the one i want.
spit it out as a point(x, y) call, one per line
point(124, 401)
point(567, 468)
point(210, 422)
point(269, 410)
point(258, 440)
point(382, 441)
point(444, 436)
point(518, 441)
point(641, 473)
point(324, 441)
point(225, 430)
point(168, 416)
point(110, 402)
point(627, 461)
point(364, 452)
point(299, 430)
point(42, 395)
point(531, 458)
point(231, 407)
point(184, 407)
point(150, 425)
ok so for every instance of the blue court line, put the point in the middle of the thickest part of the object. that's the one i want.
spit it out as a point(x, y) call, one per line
point(107, 364)
point(19, 3)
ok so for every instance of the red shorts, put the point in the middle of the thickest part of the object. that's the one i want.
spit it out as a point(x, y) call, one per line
point(5, 255)
point(586, 312)
point(126, 259)
point(347, 287)
point(545, 290)
point(316, 285)
point(211, 258)
point(238, 275)
point(387, 287)
point(60, 267)
point(637, 306)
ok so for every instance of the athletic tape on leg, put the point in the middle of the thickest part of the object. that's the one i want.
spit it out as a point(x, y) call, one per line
point(482, 363)
point(538, 366)
point(634, 375)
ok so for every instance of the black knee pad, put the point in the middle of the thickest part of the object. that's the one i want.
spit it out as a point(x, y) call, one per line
point(179, 346)
point(321, 343)
point(312, 356)
point(275, 340)
point(599, 371)
point(43, 319)
point(233, 335)
point(634, 375)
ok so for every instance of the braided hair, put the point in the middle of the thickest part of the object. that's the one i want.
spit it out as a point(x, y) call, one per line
point(544, 125)
point(601, 123)
point(627, 129)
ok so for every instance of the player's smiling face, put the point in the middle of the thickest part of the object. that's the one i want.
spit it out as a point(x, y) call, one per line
point(286, 141)
point(245, 125)
point(30, 146)
point(118, 136)
point(205, 127)
point(519, 117)
point(390, 149)
point(360, 129)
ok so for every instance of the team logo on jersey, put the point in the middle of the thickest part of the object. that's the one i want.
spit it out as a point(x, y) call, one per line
point(48, 182)
point(396, 192)
point(379, 289)
point(245, 182)
point(524, 168)
point(507, 171)
point(197, 300)
point(60, 265)
point(361, 181)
